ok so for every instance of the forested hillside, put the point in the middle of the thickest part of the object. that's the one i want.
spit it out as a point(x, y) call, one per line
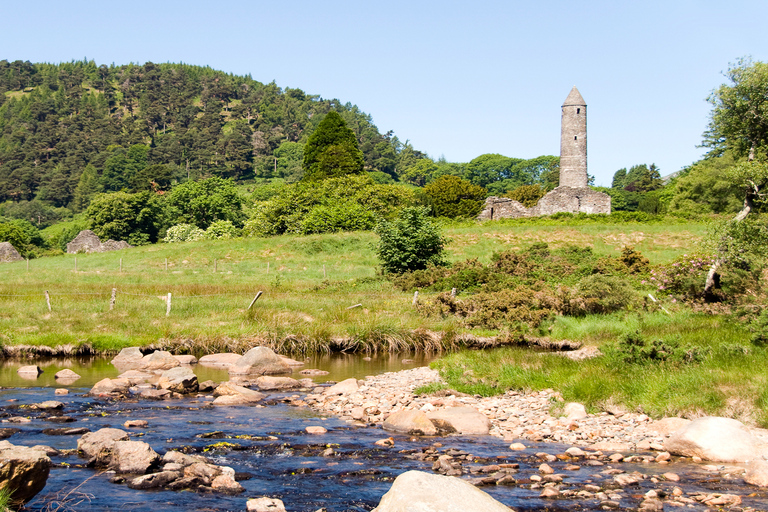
point(145, 126)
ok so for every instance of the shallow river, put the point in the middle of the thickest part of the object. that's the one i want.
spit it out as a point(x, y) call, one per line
point(273, 455)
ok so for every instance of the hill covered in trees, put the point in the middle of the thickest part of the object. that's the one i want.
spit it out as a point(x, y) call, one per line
point(146, 126)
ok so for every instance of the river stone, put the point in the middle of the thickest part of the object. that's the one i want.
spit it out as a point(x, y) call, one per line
point(133, 457)
point(667, 426)
point(259, 361)
point(153, 480)
point(414, 423)
point(179, 380)
point(29, 371)
point(136, 424)
point(97, 446)
point(465, 420)
point(231, 389)
point(129, 357)
point(67, 375)
point(574, 411)
point(159, 360)
point(715, 439)
point(291, 362)
point(203, 471)
point(268, 383)
point(227, 484)
point(23, 471)
point(109, 387)
point(417, 491)
point(135, 377)
point(186, 359)
point(49, 404)
point(176, 457)
point(344, 387)
point(264, 504)
point(757, 473)
point(223, 359)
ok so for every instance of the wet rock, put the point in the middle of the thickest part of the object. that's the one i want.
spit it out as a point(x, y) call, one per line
point(550, 492)
point(61, 391)
point(316, 430)
point(135, 377)
point(575, 452)
point(48, 450)
point(153, 480)
point(219, 360)
point(226, 484)
point(672, 477)
point(29, 371)
point(129, 357)
point(344, 387)
point(206, 386)
point(187, 359)
point(5, 433)
point(76, 431)
point(158, 361)
point(313, 372)
point(155, 394)
point(270, 383)
point(133, 457)
point(228, 393)
point(264, 505)
point(110, 387)
point(66, 375)
point(517, 446)
point(180, 380)
point(17, 419)
point(757, 473)
point(651, 505)
point(136, 424)
point(291, 362)
point(97, 446)
point(411, 423)
point(259, 361)
point(23, 471)
point(715, 439)
point(426, 492)
point(625, 479)
point(48, 405)
point(175, 457)
point(464, 420)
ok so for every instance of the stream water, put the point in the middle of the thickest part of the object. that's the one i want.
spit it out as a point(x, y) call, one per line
point(273, 455)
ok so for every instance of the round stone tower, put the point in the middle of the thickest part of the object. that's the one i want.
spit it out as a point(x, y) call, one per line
point(573, 141)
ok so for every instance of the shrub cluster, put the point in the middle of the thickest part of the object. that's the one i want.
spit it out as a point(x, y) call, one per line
point(684, 277)
point(634, 348)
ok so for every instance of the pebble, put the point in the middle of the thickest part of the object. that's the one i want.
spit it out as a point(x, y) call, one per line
point(316, 430)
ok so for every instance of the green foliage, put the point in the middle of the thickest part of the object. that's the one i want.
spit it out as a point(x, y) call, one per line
point(332, 150)
point(635, 349)
point(639, 178)
point(527, 195)
point(453, 197)
point(409, 242)
point(135, 218)
point(15, 236)
point(87, 187)
point(635, 262)
point(311, 207)
point(221, 230)
point(183, 233)
point(37, 212)
point(420, 173)
point(683, 278)
point(705, 187)
point(759, 328)
point(601, 294)
point(204, 202)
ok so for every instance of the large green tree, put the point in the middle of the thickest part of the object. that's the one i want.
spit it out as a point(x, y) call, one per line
point(135, 218)
point(332, 150)
point(205, 201)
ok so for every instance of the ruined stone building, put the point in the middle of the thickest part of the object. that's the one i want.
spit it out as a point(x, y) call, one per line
point(573, 194)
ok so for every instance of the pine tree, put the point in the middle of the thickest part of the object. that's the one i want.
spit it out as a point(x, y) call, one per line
point(87, 187)
point(332, 150)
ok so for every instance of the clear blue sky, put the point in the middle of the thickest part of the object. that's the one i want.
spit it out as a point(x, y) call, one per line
point(457, 79)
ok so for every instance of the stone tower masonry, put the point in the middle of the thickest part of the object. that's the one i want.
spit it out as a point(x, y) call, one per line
point(573, 141)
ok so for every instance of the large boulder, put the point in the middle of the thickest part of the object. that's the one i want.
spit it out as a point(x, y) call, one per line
point(666, 426)
point(417, 491)
point(97, 446)
point(464, 420)
point(23, 471)
point(344, 387)
point(271, 383)
point(158, 361)
point(86, 241)
point(133, 457)
point(415, 423)
point(715, 439)
point(757, 473)
point(180, 380)
point(128, 358)
point(228, 393)
point(259, 361)
point(223, 359)
point(66, 376)
point(8, 253)
point(110, 387)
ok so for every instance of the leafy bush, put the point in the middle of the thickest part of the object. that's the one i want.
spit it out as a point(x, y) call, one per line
point(183, 233)
point(600, 293)
point(684, 277)
point(206, 201)
point(634, 348)
point(341, 216)
point(15, 236)
point(221, 230)
point(759, 328)
point(527, 195)
point(454, 197)
point(409, 242)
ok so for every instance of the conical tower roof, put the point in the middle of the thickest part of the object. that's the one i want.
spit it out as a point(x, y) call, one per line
point(574, 98)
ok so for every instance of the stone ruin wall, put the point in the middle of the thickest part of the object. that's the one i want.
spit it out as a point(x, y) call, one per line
point(88, 242)
point(561, 199)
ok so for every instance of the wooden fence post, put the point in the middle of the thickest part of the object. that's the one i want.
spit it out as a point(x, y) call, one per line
point(415, 298)
point(112, 299)
point(255, 299)
point(48, 299)
point(168, 305)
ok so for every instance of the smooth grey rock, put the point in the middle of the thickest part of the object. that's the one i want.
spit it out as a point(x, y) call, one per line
point(153, 480)
point(465, 420)
point(344, 387)
point(31, 370)
point(223, 359)
point(259, 361)
point(129, 357)
point(110, 387)
point(417, 491)
point(66, 375)
point(715, 439)
point(23, 471)
point(133, 457)
point(269, 383)
point(159, 360)
point(667, 426)
point(411, 423)
point(757, 473)
point(264, 504)
point(97, 446)
point(179, 380)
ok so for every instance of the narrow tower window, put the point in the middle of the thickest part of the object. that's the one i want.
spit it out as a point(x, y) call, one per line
point(575, 137)
point(578, 111)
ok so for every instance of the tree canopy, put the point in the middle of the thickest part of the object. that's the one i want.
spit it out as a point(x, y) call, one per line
point(332, 150)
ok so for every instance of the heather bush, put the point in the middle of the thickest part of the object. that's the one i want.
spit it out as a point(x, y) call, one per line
point(683, 278)
point(183, 233)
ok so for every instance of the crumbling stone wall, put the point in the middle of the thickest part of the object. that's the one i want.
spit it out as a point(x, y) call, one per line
point(8, 253)
point(561, 199)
